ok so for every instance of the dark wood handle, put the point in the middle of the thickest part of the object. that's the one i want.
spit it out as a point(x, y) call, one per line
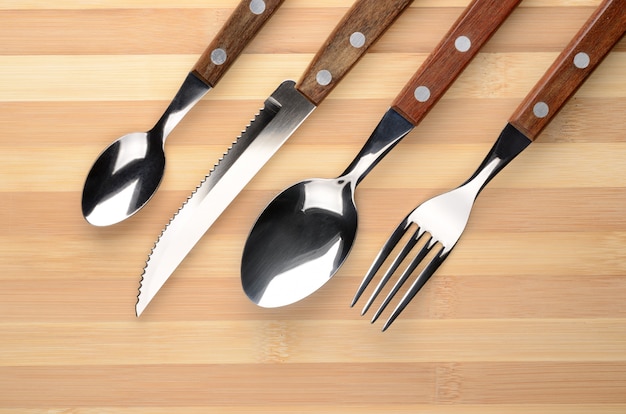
point(242, 25)
point(577, 61)
point(470, 32)
point(362, 25)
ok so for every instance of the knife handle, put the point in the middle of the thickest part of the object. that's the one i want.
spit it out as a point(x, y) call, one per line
point(242, 25)
point(472, 29)
point(576, 62)
point(360, 27)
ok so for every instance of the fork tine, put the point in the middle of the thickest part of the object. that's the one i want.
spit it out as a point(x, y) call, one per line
point(405, 275)
point(419, 282)
point(393, 267)
point(386, 250)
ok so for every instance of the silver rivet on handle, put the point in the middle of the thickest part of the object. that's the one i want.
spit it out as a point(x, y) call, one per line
point(422, 93)
point(462, 43)
point(323, 77)
point(357, 39)
point(257, 6)
point(541, 109)
point(581, 60)
point(218, 56)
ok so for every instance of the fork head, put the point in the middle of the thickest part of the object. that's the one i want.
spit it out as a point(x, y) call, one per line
point(438, 223)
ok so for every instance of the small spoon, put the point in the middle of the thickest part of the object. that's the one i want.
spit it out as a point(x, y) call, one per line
point(127, 173)
point(305, 234)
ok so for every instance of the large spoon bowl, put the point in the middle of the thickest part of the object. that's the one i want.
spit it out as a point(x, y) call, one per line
point(299, 241)
point(305, 234)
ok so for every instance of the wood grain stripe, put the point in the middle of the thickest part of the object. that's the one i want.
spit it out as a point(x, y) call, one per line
point(219, 385)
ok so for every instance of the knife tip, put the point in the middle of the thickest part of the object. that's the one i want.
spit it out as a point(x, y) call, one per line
point(139, 308)
point(142, 301)
point(142, 304)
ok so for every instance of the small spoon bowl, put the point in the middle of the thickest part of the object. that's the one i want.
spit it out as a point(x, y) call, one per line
point(123, 178)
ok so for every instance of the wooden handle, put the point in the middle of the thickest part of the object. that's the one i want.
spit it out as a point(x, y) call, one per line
point(242, 25)
point(362, 25)
point(577, 61)
point(472, 29)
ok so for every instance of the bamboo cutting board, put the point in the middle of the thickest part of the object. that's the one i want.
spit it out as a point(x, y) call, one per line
point(528, 314)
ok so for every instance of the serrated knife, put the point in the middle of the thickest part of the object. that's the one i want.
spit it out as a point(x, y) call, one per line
point(283, 112)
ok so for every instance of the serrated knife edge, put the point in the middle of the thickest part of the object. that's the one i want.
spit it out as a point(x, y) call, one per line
point(210, 176)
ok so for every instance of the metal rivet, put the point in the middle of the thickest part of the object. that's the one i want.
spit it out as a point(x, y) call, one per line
point(323, 77)
point(462, 43)
point(541, 109)
point(257, 6)
point(357, 39)
point(422, 93)
point(581, 60)
point(218, 56)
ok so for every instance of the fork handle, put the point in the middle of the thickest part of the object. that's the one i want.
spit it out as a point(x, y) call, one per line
point(243, 24)
point(582, 55)
point(472, 29)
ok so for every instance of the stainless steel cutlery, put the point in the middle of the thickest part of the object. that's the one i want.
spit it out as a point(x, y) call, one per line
point(305, 234)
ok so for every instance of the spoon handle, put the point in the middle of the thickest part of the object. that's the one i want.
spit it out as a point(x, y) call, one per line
point(582, 55)
point(362, 25)
point(242, 25)
point(473, 28)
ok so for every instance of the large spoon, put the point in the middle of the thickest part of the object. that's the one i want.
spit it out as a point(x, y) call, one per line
point(305, 234)
point(128, 172)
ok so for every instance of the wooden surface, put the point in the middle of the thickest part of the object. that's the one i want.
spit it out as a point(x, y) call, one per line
point(526, 316)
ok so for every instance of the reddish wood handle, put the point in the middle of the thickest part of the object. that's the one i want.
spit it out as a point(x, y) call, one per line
point(362, 25)
point(577, 61)
point(471, 31)
point(242, 25)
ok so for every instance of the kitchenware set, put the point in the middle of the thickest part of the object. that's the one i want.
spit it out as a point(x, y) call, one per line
point(305, 234)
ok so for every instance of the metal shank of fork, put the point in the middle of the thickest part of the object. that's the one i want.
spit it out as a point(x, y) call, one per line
point(509, 145)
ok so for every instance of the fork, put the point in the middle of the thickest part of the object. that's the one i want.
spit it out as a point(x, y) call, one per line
point(441, 220)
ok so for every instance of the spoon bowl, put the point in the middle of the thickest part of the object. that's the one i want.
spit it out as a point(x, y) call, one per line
point(299, 241)
point(123, 178)
point(305, 234)
point(129, 171)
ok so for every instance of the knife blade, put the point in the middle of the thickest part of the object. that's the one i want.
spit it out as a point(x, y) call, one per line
point(283, 112)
